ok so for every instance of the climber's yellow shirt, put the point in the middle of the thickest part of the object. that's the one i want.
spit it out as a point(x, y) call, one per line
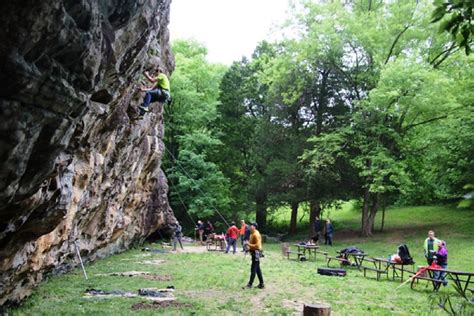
point(163, 82)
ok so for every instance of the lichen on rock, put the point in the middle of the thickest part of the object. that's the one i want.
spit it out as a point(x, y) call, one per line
point(75, 165)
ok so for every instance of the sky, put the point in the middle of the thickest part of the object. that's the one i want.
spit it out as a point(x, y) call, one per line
point(229, 29)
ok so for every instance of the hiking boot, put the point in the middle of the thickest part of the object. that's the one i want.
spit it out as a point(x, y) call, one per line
point(248, 286)
point(261, 286)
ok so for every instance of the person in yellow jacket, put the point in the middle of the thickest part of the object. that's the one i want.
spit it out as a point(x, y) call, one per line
point(255, 248)
point(160, 91)
point(430, 247)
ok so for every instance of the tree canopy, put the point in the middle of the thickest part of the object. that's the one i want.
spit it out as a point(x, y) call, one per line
point(362, 100)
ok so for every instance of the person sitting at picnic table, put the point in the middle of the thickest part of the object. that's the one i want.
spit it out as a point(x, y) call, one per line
point(442, 261)
point(431, 246)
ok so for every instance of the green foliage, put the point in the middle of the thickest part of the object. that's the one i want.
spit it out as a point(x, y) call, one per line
point(455, 17)
point(360, 100)
point(190, 138)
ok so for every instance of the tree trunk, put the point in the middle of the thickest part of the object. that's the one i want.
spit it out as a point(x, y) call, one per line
point(373, 212)
point(294, 215)
point(368, 222)
point(383, 214)
point(315, 211)
point(261, 215)
point(365, 229)
point(320, 309)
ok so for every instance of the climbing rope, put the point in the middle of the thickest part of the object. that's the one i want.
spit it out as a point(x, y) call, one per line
point(184, 206)
point(187, 174)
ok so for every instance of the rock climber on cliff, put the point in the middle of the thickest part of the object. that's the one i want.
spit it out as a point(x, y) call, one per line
point(160, 91)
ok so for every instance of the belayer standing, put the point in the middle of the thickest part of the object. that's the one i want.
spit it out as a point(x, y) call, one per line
point(160, 91)
point(255, 248)
point(177, 236)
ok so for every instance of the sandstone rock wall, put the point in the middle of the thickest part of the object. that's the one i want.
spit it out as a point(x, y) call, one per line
point(74, 165)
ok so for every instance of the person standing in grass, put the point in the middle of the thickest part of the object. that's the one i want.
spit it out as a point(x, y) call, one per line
point(200, 228)
point(232, 234)
point(442, 261)
point(431, 246)
point(177, 236)
point(329, 233)
point(244, 236)
point(255, 248)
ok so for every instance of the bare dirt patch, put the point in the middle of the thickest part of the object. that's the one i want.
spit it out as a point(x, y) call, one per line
point(295, 305)
point(159, 305)
point(155, 262)
point(140, 274)
point(207, 294)
point(192, 249)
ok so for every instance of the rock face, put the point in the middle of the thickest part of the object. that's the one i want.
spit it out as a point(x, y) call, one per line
point(75, 165)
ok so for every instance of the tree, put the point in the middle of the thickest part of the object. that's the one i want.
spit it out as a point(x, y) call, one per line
point(243, 114)
point(456, 19)
point(192, 142)
point(397, 97)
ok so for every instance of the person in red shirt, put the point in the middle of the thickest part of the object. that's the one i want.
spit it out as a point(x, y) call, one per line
point(232, 234)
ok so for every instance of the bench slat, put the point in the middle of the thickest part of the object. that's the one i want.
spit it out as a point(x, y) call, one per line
point(378, 270)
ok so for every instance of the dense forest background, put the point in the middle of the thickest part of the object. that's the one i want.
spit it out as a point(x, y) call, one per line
point(370, 101)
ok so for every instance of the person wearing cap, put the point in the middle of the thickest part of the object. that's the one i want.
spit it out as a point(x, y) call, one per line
point(255, 248)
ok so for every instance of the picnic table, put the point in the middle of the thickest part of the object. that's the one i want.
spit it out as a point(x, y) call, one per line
point(216, 243)
point(345, 258)
point(302, 248)
point(461, 280)
point(383, 266)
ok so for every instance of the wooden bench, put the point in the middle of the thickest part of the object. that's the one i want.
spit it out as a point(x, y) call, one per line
point(323, 253)
point(299, 254)
point(436, 283)
point(285, 250)
point(341, 260)
point(379, 271)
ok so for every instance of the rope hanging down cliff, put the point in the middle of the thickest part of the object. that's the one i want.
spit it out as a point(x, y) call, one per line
point(187, 174)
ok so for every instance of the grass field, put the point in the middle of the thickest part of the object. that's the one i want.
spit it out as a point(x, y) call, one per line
point(211, 282)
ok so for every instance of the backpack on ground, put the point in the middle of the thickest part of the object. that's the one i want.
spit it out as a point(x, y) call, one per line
point(404, 254)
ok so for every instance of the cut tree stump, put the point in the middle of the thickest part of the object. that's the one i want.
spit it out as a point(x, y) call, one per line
point(319, 309)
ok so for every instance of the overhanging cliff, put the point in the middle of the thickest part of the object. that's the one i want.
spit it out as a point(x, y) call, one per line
point(74, 163)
